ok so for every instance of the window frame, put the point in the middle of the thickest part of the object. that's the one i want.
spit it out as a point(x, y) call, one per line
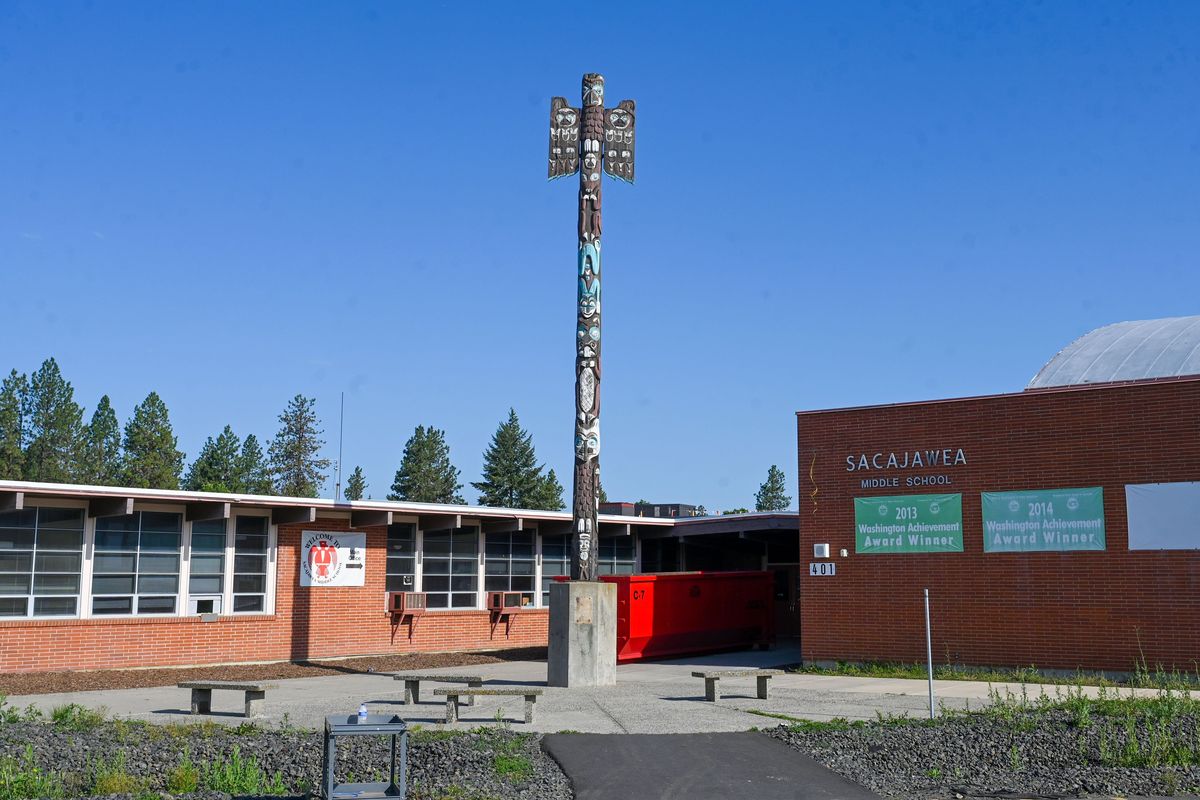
point(535, 587)
point(449, 592)
point(81, 599)
point(180, 588)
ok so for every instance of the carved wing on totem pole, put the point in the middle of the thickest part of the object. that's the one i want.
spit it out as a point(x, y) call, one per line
point(564, 138)
point(619, 124)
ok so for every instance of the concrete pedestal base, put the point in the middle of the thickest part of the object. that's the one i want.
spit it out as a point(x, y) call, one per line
point(583, 634)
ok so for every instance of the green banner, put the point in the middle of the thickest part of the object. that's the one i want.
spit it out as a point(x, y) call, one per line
point(1051, 519)
point(914, 523)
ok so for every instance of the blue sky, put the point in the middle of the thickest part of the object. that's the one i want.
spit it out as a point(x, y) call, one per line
point(837, 204)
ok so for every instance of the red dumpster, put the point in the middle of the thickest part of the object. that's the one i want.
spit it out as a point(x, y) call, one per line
point(678, 613)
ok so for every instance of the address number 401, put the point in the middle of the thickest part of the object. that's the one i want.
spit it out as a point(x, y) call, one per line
point(821, 569)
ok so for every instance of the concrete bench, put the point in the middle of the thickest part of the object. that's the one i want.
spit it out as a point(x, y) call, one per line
point(256, 694)
point(452, 696)
point(712, 691)
point(412, 684)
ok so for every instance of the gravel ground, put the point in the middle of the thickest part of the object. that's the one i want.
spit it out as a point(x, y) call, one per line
point(1044, 755)
point(441, 765)
point(14, 683)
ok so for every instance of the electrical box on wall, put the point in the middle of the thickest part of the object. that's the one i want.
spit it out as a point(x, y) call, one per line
point(821, 550)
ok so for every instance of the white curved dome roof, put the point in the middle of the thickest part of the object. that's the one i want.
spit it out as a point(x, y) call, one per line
point(1126, 351)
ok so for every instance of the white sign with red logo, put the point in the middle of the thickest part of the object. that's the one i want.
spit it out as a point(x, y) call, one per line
point(332, 559)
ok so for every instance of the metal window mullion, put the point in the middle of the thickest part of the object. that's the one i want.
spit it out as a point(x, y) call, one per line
point(227, 571)
point(418, 560)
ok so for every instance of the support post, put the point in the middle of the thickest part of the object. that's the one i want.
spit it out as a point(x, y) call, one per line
point(929, 653)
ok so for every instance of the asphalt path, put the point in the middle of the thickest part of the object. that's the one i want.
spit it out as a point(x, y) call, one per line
point(695, 766)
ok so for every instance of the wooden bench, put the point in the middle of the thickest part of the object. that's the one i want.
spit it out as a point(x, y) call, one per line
point(412, 684)
point(530, 693)
point(712, 691)
point(256, 694)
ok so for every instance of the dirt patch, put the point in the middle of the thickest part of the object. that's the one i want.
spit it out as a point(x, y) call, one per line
point(21, 683)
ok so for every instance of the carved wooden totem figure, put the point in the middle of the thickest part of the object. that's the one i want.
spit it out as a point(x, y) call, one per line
point(588, 140)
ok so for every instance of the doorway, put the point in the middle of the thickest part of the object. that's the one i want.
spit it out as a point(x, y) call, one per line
point(787, 600)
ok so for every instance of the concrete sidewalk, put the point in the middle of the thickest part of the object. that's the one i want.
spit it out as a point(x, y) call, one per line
point(658, 697)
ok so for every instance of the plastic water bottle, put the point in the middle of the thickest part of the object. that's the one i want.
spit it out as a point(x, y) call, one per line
point(362, 713)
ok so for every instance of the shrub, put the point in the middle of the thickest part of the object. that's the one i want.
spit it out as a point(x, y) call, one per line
point(74, 717)
point(185, 777)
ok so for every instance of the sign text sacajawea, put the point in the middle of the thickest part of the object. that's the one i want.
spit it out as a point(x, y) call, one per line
point(907, 459)
point(912, 523)
point(1054, 519)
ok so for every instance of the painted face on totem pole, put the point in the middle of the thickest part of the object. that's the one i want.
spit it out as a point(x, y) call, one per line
point(589, 337)
point(587, 441)
point(565, 118)
point(591, 166)
point(593, 91)
point(589, 296)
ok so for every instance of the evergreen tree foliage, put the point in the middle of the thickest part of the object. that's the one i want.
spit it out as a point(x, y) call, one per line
point(601, 495)
point(512, 478)
point(772, 494)
point(14, 395)
point(356, 485)
point(55, 427)
point(549, 494)
point(426, 474)
point(218, 467)
point(254, 474)
point(296, 464)
point(152, 459)
point(735, 511)
point(101, 463)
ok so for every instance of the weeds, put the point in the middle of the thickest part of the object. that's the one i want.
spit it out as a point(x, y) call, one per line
point(241, 776)
point(513, 767)
point(185, 777)
point(111, 777)
point(23, 779)
point(1141, 676)
point(74, 717)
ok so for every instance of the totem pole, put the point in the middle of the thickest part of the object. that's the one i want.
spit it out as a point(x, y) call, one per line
point(605, 137)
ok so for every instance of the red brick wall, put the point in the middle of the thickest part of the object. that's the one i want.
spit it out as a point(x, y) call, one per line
point(324, 622)
point(1090, 610)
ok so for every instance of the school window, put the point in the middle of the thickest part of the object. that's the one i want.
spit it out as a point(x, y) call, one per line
point(616, 556)
point(250, 564)
point(206, 578)
point(41, 551)
point(556, 560)
point(136, 565)
point(508, 564)
point(401, 556)
point(450, 572)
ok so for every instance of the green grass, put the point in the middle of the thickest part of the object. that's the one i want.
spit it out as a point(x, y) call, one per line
point(111, 777)
point(240, 775)
point(22, 779)
point(74, 717)
point(513, 766)
point(1141, 676)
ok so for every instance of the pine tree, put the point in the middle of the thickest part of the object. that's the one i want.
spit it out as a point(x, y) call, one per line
point(426, 474)
point(152, 459)
point(296, 465)
point(217, 468)
point(727, 512)
point(253, 473)
point(512, 477)
point(101, 463)
point(356, 485)
point(549, 494)
point(55, 427)
point(772, 494)
point(14, 396)
point(601, 495)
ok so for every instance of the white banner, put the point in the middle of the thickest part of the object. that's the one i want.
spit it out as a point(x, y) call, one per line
point(332, 559)
point(1163, 516)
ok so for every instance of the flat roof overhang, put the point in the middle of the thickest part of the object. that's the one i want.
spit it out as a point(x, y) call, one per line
point(108, 501)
